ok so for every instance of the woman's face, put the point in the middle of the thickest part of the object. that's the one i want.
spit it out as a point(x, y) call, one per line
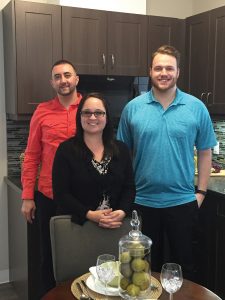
point(93, 116)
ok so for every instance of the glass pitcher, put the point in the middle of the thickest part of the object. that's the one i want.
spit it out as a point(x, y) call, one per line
point(135, 263)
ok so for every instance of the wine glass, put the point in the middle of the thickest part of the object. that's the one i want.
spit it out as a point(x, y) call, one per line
point(171, 278)
point(105, 269)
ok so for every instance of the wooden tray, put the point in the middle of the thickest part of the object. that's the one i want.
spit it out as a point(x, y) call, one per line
point(153, 295)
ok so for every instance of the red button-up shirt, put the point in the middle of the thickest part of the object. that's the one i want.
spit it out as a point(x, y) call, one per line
point(50, 125)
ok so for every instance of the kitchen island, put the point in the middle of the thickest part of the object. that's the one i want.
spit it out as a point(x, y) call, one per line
point(211, 245)
point(23, 242)
point(24, 258)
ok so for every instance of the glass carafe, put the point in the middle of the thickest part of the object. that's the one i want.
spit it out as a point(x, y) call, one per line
point(135, 263)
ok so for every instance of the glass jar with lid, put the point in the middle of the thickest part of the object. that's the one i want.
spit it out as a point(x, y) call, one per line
point(135, 263)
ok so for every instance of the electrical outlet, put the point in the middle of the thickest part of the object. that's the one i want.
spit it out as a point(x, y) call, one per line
point(216, 149)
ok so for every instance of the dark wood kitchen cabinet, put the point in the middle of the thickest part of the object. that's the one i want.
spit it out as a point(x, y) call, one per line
point(220, 248)
point(205, 58)
point(24, 252)
point(32, 43)
point(197, 40)
point(211, 258)
point(167, 31)
point(127, 44)
point(100, 42)
point(84, 39)
point(216, 83)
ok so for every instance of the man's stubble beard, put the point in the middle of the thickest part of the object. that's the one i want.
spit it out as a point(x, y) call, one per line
point(70, 92)
point(164, 90)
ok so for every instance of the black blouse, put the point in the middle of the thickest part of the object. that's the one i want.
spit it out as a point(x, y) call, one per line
point(78, 186)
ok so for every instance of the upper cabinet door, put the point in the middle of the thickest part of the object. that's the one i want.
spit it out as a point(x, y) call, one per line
point(127, 44)
point(100, 42)
point(84, 39)
point(161, 31)
point(38, 46)
point(197, 41)
point(166, 31)
point(216, 84)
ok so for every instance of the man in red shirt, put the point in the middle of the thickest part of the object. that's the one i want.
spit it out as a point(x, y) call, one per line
point(52, 122)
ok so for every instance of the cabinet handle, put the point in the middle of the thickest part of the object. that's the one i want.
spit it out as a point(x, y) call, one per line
point(33, 103)
point(113, 60)
point(103, 59)
point(207, 98)
point(202, 95)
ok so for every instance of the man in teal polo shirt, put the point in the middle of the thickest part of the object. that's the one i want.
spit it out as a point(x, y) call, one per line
point(161, 129)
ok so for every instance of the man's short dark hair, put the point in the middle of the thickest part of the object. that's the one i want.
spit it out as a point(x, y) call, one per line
point(63, 62)
point(169, 50)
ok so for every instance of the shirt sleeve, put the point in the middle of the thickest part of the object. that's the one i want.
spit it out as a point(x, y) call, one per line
point(123, 132)
point(32, 158)
point(61, 184)
point(206, 138)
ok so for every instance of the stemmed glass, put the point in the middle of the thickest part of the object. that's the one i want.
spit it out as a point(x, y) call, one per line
point(171, 278)
point(105, 269)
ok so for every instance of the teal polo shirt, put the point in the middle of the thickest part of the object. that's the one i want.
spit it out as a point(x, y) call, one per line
point(162, 143)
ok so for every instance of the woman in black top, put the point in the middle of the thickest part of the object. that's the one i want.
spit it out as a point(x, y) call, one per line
point(92, 172)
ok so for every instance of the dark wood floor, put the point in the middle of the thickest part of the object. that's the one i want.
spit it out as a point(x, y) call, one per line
point(7, 292)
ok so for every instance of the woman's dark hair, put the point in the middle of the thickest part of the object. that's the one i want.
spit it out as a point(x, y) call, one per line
point(110, 147)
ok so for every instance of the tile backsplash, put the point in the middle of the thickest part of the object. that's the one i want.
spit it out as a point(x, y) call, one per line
point(219, 127)
point(17, 133)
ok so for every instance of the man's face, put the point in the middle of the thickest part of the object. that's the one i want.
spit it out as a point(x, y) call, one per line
point(164, 72)
point(64, 79)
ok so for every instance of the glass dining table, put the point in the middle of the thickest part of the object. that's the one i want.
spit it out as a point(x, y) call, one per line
point(188, 291)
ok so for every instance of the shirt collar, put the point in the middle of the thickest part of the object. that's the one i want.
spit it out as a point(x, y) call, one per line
point(58, 104)
point(179, 99)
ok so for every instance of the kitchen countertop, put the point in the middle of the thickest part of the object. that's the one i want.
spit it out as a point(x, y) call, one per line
point(216, 184)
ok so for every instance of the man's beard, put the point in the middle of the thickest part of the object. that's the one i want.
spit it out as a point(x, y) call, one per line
point(67, 93)
point(162, 89)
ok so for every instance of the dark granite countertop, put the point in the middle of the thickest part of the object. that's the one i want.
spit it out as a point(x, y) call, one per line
point(216, 184)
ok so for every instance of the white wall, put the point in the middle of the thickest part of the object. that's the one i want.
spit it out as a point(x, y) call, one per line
point(130, 6)
point(181, 8)
point(170, 8)
point(4, 272)
point(3, 3)
point(204, 5)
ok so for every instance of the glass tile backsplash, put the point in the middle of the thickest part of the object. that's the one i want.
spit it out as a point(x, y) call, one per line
point(17, 133)
point(219, 127)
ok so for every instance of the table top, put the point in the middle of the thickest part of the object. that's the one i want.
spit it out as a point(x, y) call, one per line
point(188, 291)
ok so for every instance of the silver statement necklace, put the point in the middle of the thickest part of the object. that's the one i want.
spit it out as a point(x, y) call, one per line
point(102, 166)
